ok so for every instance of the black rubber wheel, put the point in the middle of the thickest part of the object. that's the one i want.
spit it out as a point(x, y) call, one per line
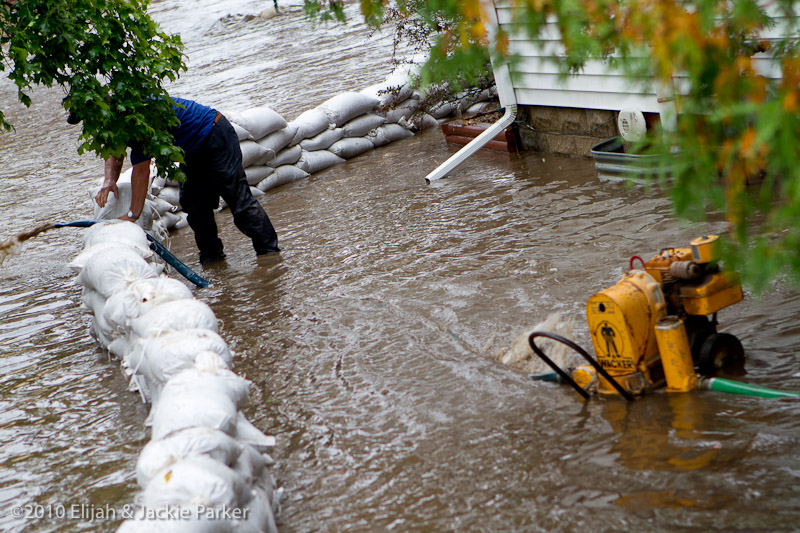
point(719, 351)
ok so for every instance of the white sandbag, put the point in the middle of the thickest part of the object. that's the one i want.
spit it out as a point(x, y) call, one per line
point(169, 220)
point(160, 454)
point(93, 300)
point(287, 156)
point(323, 140)
point(249, 464)
point(107, 247)
point(198, 397)
point(469, 98)
point(174, 315)
point(283, 175)
point(183, 222)
point(171, 195)
point(184, 344)
point(156, 372)
point(260, 121)
point(480, 108)
point(310, 123)
point(108, 273)
point(396, 87)
point(259, 511)
point(241, 133)
point(361, 126)
point(351, 147)
point(256, 174)
point(99, 331)
point(143, 296)
point(198, 480)
point(256, 192)
point(162, 206)
point(419, 122)
point(348, 105)
point(388, 133)
point(313, 162)
point(119, 346)
point(181, 406)
point(115, 231)
point(254, 154)
point(403, 110)
point(443, 109)
point(278, 140)
point(159, 182)
point(247, 433)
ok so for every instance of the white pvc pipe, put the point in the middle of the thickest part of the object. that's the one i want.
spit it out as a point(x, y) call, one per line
point(474, 145)
point(508, 100)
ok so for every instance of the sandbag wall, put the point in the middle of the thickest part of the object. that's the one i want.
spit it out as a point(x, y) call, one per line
point(206, 467)
point(276, 151)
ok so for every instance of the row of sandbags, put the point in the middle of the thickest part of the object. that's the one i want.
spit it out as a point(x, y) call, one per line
point(206, 467)
point(276, 151)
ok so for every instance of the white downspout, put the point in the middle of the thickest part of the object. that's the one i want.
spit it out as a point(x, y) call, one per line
point(508, 100)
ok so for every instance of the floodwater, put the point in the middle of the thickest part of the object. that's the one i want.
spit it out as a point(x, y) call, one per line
point(368, 337)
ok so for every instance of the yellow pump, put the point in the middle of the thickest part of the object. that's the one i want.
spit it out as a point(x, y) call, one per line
point(652, 327)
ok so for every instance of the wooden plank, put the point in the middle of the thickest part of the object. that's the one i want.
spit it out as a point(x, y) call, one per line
point(499, 146)
point(454, 128)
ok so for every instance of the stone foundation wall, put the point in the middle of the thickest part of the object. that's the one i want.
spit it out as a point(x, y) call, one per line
point(565, 130)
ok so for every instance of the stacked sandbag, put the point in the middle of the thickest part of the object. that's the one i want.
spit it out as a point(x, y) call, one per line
point(276, 151)
point(205, 462)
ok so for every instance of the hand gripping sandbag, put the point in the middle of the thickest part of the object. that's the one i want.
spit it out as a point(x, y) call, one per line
point(158, 455)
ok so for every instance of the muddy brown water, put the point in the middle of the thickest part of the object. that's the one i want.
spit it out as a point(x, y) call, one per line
point(366, 338)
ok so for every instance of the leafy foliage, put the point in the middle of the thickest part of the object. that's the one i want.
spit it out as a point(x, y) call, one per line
point(110, 58)
point(734, 151)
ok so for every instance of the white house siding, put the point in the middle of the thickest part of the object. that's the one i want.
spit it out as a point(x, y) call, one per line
point(537, 80)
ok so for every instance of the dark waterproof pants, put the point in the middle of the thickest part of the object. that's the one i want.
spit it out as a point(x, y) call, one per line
point(215, 170)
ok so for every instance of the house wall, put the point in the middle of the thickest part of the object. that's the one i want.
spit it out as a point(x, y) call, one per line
point(562, 108)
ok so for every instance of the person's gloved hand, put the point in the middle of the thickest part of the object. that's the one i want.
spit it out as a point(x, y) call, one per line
point(102, 195)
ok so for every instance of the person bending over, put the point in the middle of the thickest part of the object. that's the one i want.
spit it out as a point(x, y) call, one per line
point(213, 168)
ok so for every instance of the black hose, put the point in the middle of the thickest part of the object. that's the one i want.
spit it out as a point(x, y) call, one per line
point(589, 359)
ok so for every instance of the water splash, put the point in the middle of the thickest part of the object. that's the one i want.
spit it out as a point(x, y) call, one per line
point(520, 355)
point(13, 245)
